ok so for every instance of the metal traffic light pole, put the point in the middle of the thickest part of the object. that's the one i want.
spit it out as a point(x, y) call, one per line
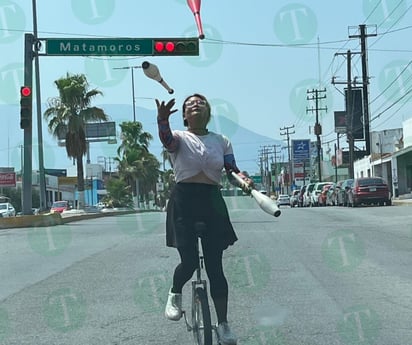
point(42, 176)
point(27, 144)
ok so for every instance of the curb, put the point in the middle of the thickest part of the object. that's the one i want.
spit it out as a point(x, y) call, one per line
point(53, 219)
point(405, 202)
point(31, 221)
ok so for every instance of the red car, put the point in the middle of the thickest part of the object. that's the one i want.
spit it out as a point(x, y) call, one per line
point(323, 194)
point(60, 206)
point(369, 190)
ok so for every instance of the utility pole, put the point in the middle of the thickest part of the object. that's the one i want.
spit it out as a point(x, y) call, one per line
point(275, 155)
point(349, 110)
point(264, 168)
point(349, 115)
point(365, 82)
point(288, 133)
point(315, 95)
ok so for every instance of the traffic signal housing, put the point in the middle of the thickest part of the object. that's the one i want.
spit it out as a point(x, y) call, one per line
point(25, 107)
point(176, 46)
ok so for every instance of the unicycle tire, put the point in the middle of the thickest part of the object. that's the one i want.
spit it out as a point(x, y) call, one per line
point(201, 321)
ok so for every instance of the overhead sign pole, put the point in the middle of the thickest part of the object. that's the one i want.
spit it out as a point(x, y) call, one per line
point(169, 46)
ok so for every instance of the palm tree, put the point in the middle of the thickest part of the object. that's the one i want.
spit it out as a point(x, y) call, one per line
point(136, 164)
point(68, 114)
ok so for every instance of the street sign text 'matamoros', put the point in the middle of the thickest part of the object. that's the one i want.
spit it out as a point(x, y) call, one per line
point(99, 46)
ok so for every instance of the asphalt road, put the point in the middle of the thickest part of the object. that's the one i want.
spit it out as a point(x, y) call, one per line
point(313, 276)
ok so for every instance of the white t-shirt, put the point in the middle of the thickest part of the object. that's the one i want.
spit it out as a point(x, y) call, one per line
point(195, 154)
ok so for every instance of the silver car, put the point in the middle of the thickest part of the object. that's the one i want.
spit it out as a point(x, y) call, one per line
point(7, 210)
point(282, 200)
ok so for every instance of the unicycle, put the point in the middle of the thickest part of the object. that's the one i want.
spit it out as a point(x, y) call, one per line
point(200, 324)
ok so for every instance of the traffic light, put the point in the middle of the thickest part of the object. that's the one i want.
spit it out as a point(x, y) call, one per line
point(25, 107)
point(176, 46)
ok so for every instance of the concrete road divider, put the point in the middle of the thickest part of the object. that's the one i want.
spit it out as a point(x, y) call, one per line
point(50, 219)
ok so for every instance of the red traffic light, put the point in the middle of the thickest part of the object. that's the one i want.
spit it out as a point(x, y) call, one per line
point(159, 46)
point(25, 91)
point(176, 46)
point(170, 47)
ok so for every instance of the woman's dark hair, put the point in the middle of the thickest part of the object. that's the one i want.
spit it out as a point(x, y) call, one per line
point(184, 107)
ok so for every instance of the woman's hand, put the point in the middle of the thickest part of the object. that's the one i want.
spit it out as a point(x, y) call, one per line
point(165, 110)
point(248, 185)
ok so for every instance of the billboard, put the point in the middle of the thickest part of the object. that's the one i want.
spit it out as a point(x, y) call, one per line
point(340, 122)
point(355, 108)
point(300, 150)
point(7, 179)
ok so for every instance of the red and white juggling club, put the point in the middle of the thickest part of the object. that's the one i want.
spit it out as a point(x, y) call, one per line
point(195, 8)
point(265, 203)
point(151, 71)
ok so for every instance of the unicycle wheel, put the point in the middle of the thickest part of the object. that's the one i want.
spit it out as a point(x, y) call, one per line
point(201, 321)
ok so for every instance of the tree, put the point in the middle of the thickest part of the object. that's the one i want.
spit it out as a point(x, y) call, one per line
point(118, 194)
point(68, 114)
point(136, 164)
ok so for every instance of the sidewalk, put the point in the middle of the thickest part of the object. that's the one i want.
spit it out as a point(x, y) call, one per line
point(403, 200)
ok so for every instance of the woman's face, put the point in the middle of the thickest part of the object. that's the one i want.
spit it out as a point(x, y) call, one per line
point(197, 112)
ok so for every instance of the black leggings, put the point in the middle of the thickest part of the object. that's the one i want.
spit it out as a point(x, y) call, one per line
point(214, 269)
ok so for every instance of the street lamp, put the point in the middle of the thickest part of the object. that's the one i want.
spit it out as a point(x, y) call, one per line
point(151, 71)
point(133, 97)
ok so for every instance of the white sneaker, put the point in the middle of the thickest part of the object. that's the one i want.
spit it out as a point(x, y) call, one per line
point(173, 309)
point(226, 336)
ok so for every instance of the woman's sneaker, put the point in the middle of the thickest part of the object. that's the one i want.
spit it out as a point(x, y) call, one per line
point(226, 336)
point(173, 309)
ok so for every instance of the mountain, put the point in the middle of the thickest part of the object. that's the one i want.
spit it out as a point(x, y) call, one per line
point(247, 144)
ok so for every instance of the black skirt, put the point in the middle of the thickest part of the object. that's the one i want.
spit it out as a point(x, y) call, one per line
point(195, 202)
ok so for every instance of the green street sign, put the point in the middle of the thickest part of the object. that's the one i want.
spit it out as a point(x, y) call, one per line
point(256, 179)
point(121, 46)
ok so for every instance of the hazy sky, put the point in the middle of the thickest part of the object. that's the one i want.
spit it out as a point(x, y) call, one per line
point(256, 63)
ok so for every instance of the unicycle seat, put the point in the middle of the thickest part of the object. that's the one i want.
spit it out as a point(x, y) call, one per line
point(200, 228)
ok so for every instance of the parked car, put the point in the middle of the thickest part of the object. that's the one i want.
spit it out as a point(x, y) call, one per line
point(301, 195)
point(282, 200)
point(323, 194)
point(306, 196)
point(7, 210)
point(369, 190)
point(342, 197)
point(60, 206)
point(317, 189)
point(294, 198)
